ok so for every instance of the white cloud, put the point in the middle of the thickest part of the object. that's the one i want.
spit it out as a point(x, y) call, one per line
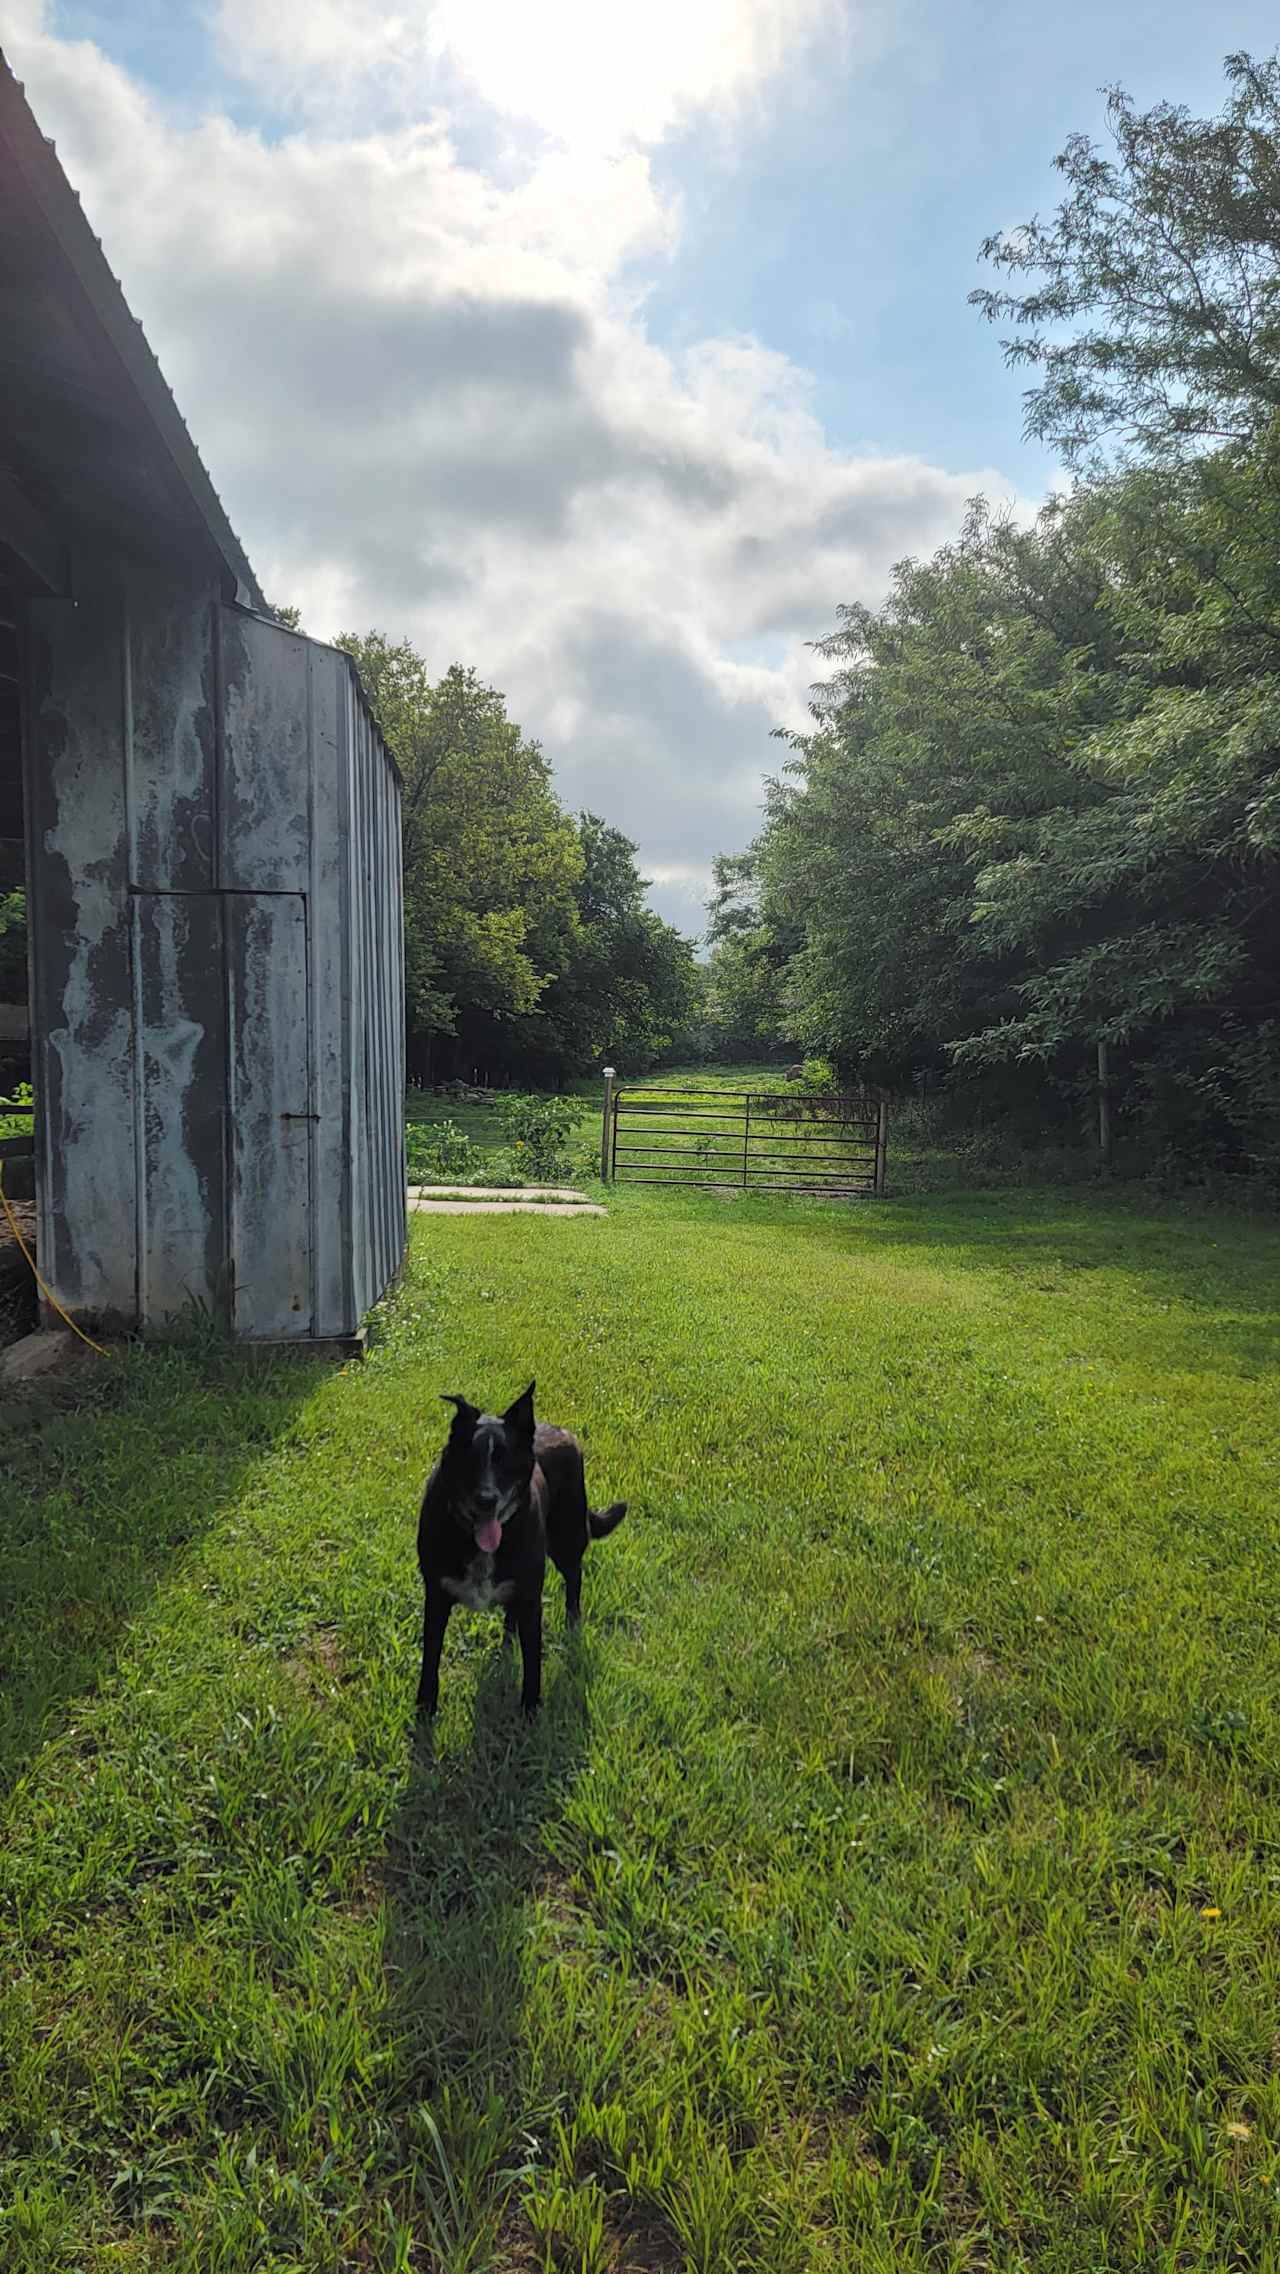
point(426, 392)
point(591, 75)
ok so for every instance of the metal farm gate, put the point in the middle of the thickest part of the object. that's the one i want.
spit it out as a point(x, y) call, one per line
point(756, 1140)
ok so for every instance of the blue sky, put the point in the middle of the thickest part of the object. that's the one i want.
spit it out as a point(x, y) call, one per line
point(867, 205)
point(609, 351)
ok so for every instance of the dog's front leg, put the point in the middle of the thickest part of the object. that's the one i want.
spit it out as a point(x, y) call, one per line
point(529, 1627)
point(435, 1618)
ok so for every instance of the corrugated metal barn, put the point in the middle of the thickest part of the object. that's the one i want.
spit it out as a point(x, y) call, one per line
point(207, 823)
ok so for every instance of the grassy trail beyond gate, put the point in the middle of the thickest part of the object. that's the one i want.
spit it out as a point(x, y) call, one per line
point(892, 1882)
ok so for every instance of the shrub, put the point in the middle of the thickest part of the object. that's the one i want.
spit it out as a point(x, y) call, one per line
point(1205, 1104)
point(540, 1131)
point(441, 1153)
point(15, 1111)
point(821, 1077)
point(13, 946)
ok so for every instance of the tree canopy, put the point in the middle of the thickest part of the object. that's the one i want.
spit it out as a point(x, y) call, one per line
point(529, 951)
point(1038, 804)
point(1154, 315)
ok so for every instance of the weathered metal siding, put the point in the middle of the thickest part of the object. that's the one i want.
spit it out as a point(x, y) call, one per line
point(376, 1047)
point(268, 1114)
point(263, 827)
point(218, 967)
point(179, 1065)
point(129, 1154)
point(311, 804)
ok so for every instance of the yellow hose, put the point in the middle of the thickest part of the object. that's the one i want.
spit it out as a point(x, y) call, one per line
point(47, 1292)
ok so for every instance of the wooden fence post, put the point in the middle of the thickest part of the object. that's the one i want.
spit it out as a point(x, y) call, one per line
point(610, 1077)
point(882, 1146)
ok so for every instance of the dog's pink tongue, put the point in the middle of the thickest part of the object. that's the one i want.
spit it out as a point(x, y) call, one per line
point(489, 1536)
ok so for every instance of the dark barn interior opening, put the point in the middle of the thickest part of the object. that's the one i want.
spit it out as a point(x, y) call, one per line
point(17, 1287)
point(14, 1056)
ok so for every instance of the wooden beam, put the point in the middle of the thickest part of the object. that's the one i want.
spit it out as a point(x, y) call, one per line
point(29, 538)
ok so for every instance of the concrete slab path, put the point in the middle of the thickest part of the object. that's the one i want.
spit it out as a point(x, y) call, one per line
point(500, 1200)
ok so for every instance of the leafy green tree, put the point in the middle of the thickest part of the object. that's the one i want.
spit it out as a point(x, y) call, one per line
point(1154, 316)
point(1155, 899)
point(950, 720)
point(529, 948)
point(743, 1013)
point(491, 861)
point(1039, 805)
point(628, 989)
point(1154, 319)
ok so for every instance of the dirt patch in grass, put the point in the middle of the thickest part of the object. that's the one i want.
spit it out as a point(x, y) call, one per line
point(557, 1890)
point(643, 2241)
point(317, 1664)
point(638, 2238)
point(966, 1674)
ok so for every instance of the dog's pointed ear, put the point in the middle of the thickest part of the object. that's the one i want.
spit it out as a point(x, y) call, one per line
point(465, 1415)
point(520, 1414)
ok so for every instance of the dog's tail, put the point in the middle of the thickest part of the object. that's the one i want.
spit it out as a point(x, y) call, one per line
point(606, 1520)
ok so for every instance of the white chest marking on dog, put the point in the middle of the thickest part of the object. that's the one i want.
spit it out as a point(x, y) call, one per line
point(477, 1587)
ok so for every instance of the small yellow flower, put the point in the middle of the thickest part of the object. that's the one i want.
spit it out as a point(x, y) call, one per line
point(1238, 2131)
point(1211, 1911)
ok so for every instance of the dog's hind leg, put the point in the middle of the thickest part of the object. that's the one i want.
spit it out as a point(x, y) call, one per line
point(572, 1576)
point(510, 1625)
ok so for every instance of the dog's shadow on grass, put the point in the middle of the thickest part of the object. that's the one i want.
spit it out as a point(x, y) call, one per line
point(468, 1857)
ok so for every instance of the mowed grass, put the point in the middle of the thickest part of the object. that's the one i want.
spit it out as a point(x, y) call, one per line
point(893, 1880)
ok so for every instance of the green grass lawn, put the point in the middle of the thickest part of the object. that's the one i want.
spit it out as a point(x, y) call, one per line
point(892, 1881)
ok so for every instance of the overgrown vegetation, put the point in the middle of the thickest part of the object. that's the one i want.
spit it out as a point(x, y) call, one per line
point(499, 1138)
point(1038, 809)
point(892, 1881)
point(13, 946)
point(539, 1131)
point(16, 1111)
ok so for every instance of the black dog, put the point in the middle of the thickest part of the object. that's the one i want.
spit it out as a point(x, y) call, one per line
point(505, 1494)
